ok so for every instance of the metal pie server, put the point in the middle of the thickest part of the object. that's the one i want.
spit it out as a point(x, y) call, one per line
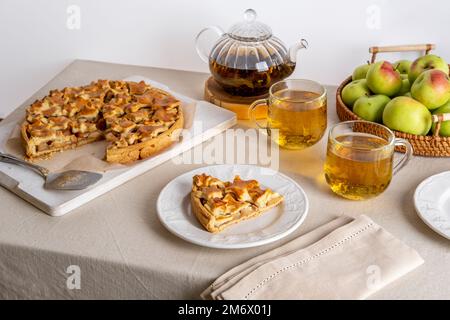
point(67, 180)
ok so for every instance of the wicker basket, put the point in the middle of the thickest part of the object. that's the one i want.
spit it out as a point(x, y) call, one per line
point(430, 146)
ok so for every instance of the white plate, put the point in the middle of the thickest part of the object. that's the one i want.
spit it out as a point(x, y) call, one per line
point(174, 209)
point(432, 202)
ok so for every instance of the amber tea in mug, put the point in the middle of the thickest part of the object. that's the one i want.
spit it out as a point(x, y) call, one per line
point(359, 165)
point(297, 113)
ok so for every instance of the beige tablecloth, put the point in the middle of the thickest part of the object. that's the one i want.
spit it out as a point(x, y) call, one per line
point(122, 250)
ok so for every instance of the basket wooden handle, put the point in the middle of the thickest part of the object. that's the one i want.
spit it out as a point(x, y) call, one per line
point(438, 119)
point(412, 47)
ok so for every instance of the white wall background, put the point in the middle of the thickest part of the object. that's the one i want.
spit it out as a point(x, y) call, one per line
point(36, 42)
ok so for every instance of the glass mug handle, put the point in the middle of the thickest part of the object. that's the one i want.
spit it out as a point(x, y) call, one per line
point(406, 157)
point(251, 112)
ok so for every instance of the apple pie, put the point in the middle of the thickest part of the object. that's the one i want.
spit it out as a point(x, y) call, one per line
point(136, 119)
point(218, 204)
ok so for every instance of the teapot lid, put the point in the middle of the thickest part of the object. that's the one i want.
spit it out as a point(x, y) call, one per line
point(250, 29)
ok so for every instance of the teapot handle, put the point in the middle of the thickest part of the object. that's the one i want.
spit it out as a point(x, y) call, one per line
point(201, 52)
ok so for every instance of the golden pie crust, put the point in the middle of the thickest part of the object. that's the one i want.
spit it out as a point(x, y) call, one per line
point(136, 119)
point(218, 204)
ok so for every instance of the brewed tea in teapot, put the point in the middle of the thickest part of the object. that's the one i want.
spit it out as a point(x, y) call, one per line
point(248, 59)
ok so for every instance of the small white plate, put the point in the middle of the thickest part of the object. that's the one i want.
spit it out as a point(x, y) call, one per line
point(175, 213)
point(432, 202)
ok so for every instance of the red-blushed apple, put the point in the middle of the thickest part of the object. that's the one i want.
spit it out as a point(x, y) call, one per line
point(424, 63)
point(407, 115)
point(353, 91)
point(383, 79)
point(431, 88)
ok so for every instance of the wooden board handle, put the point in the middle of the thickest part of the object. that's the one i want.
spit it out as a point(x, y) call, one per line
point(404, 48)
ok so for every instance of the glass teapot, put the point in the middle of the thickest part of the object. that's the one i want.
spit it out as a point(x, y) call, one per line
point(248, 59)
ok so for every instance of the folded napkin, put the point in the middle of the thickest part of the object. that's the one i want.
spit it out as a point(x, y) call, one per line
point(343, 259)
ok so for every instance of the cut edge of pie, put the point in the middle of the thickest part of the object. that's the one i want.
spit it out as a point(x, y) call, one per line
point(147, 148)
point(218, 205)
point(137, 120)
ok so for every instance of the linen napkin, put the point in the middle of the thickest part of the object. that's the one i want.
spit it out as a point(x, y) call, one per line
point(344, 259)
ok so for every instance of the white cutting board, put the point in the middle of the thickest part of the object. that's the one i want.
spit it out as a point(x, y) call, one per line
point(29, 186)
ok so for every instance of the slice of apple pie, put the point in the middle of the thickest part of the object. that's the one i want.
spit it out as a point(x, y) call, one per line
point(218, 204)
point(136, 119)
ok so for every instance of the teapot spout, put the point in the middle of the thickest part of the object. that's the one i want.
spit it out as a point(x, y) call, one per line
point(293, 50)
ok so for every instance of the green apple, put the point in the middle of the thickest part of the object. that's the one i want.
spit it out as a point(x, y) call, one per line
point(432, 88)
point(445, 126)
point(353, 91)
point(406, 87)
point(371, 108)
point(360, 72)
point(402, 66)
point(383, 79)
point(407, 115)
point(408, 94)
point(424, 63)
